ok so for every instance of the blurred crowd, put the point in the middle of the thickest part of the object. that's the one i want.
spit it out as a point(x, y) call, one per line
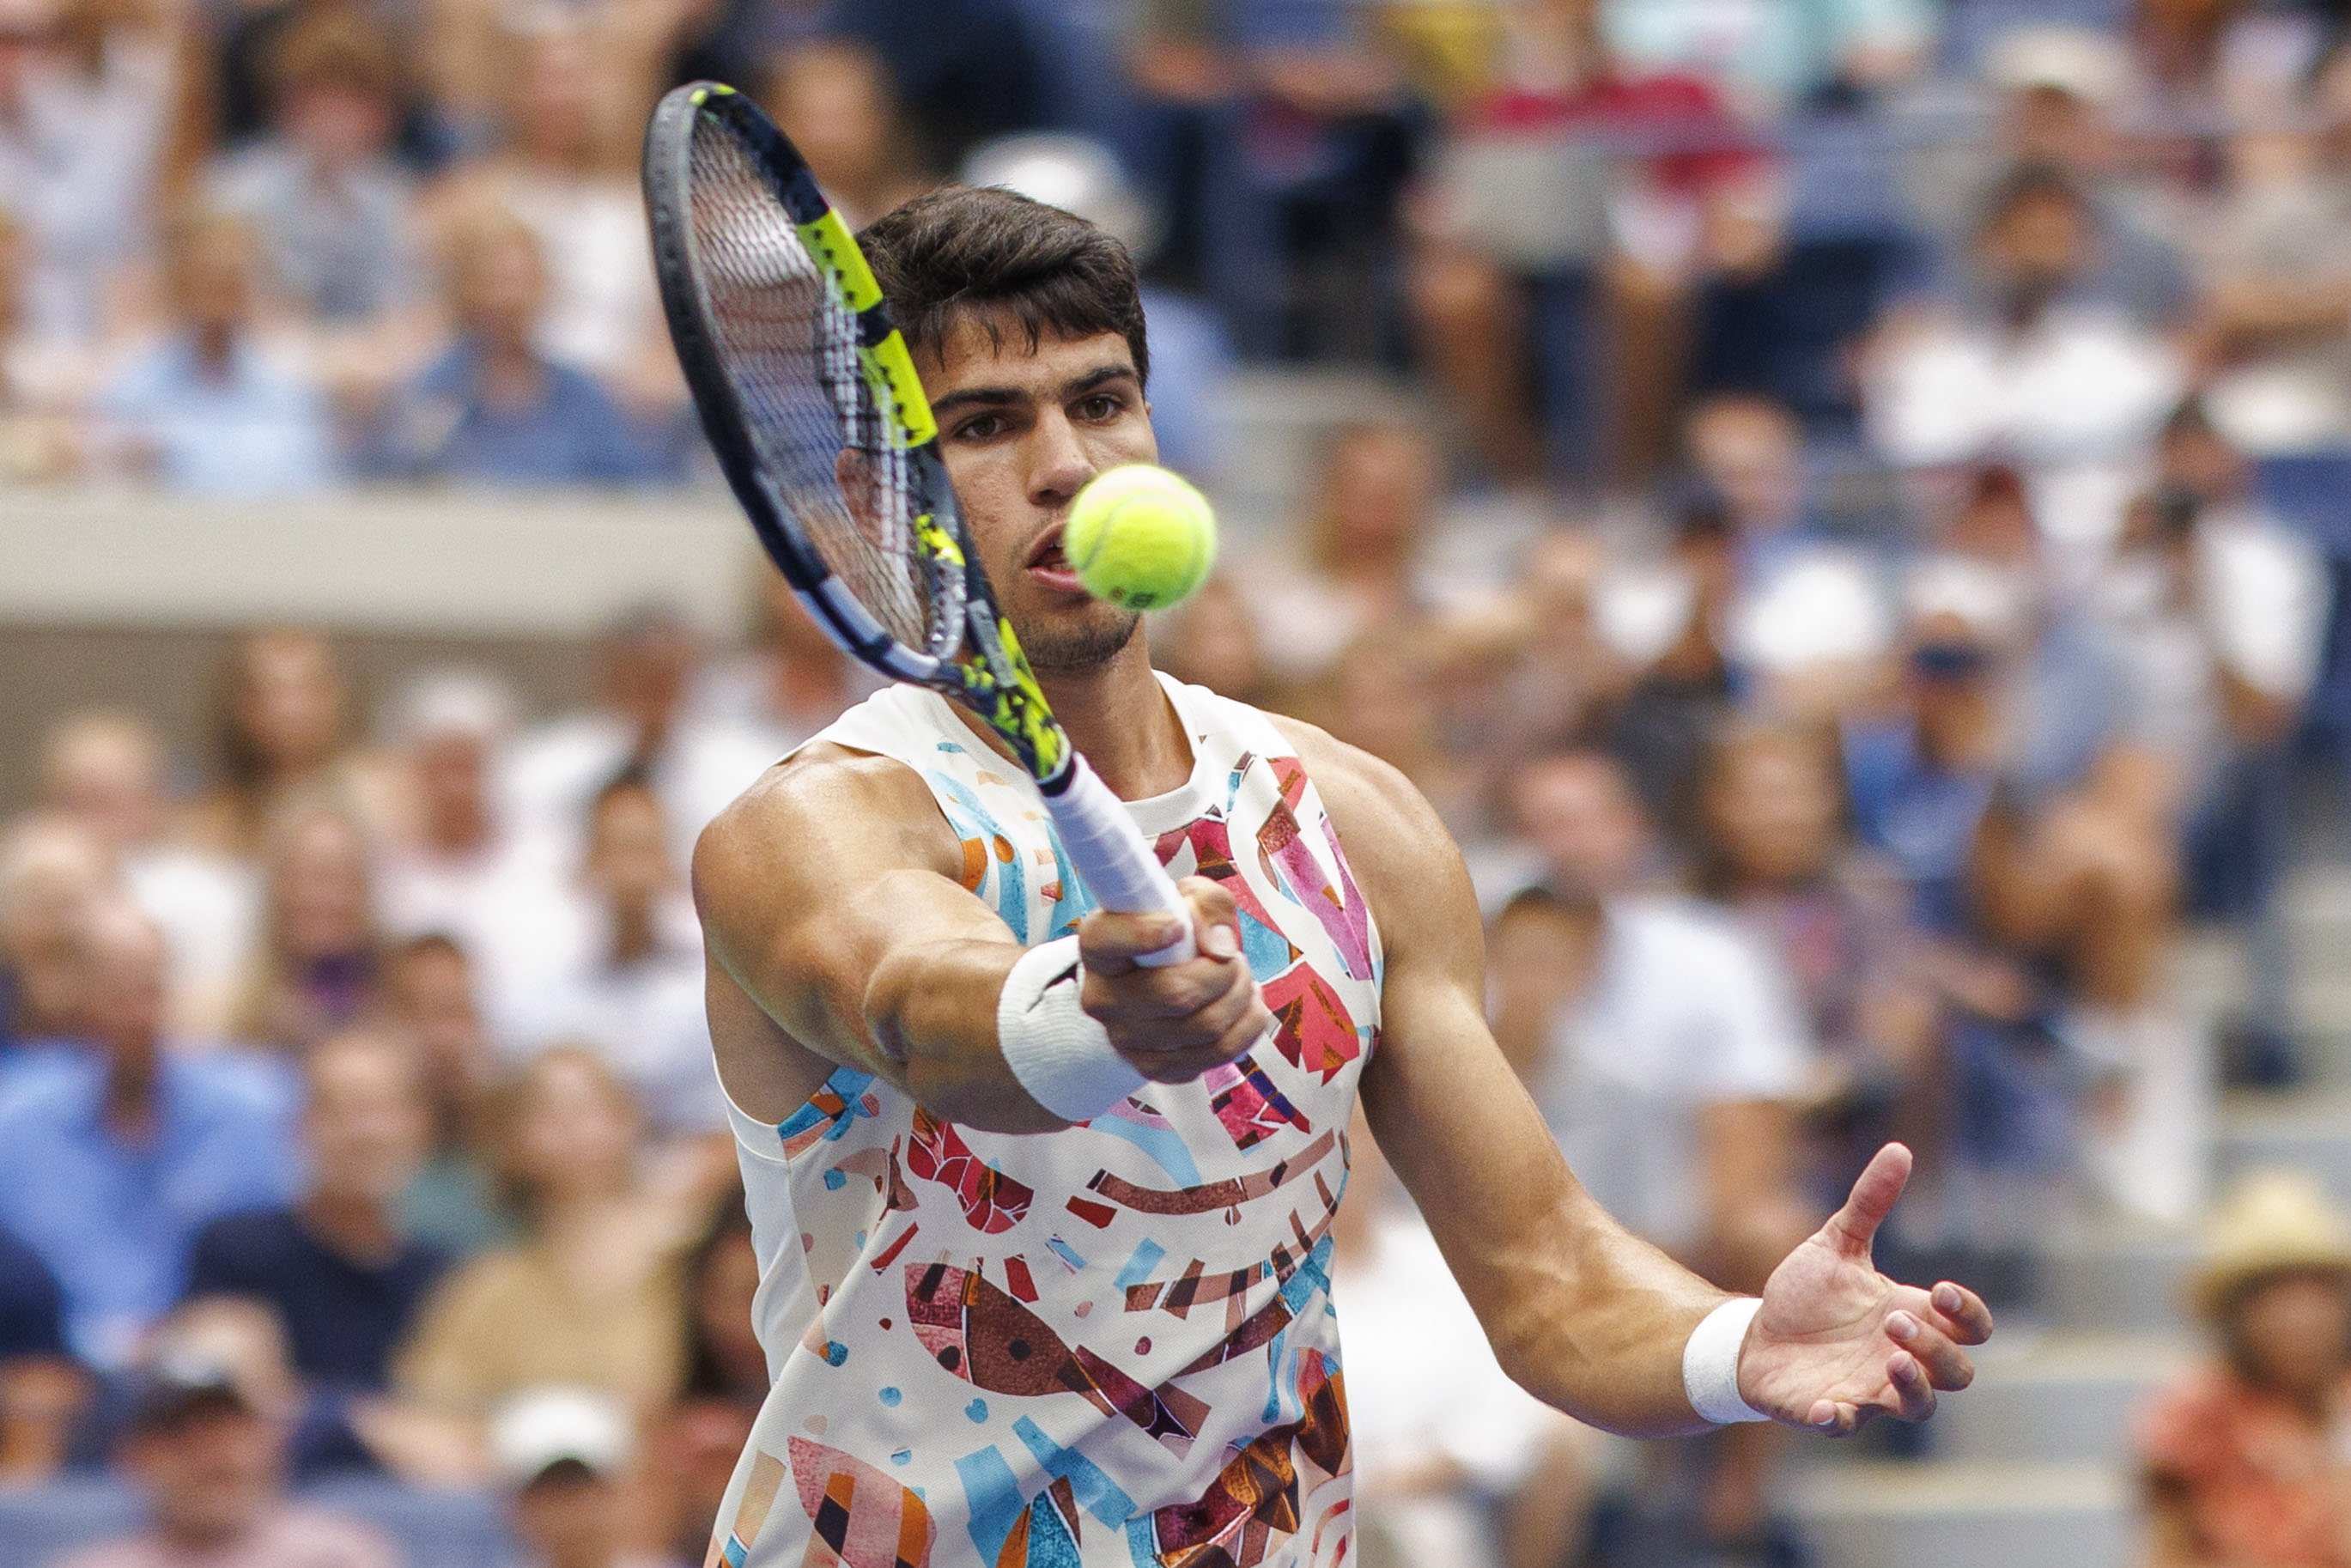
point(1835, 564)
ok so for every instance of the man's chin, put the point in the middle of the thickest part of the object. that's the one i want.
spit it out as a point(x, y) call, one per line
point(1074, 642)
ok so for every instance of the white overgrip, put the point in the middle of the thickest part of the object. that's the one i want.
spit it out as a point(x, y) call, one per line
point(1109, 852)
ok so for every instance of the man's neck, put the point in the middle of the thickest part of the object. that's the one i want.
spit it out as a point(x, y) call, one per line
point(633, 930)
point(130, 1081)
point(1122, 723)
point(357, 1228)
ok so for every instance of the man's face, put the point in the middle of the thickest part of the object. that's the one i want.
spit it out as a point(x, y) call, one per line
point(366, 1122)
point(570, 1520)
point(211, 1475)
point(1581, 816)
point(628, 847)
point(1022, 432)
point(125, 998)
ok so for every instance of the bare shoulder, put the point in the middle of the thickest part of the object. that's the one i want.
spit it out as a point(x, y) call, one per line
point(1362, 793)
point(1397, 844)
point(823, 807)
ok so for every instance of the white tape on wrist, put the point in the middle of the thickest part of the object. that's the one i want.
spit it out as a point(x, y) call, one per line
point(1062, 1057)
point(1710, 1363)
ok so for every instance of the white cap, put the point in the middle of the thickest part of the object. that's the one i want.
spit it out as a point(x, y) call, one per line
point(1076, 174)
point(1983, 596)
point(2078, 61)
point(541, 1427)
point(453, 702)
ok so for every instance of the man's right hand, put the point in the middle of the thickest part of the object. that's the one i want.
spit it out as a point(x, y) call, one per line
point(1173, 1023)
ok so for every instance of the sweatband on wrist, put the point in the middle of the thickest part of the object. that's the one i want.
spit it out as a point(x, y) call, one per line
point(1710, 1363)
point(1059, 1054)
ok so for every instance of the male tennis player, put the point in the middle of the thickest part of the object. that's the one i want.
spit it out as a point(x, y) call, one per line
point(1043, 1230)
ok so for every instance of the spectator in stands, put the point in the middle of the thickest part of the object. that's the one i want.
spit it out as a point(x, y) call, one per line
point(1455, 1463)
point(1772, 849)
point(86, 92)
point(42, 1386)
point(974, 67)
point(457, 863)
point(2059, 98)
point(835, 101)
point(556, 173)
point(789, 683)
point(114, 1156)
point(50, 872)
point(1778, 58)
point(45, 374)
point(1214, 641)
point(644, 664)
point(2030, 366)
point(1666, 1014)
point(563, 1454)
point(590, 1295)
point(2240, 1456)
point(334, 210)
point(2276, 320)
point(2000, 791)
point(280, 713)
point(1685, 678)
point(336, 1267)
point(1554, 247)
point(317, 965)
point(430, 998)
point(206, 1447)
point(216, 405)
point(105, 770)
point(493, 407)
point(626, 978)
point(1372, 508)
point(693, 1446)
point(1776, 313)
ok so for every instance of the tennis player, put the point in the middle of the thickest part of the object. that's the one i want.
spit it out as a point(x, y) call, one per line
point(1043, 1230)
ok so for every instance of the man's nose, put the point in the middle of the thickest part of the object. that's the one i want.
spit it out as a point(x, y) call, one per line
point(1059, 465)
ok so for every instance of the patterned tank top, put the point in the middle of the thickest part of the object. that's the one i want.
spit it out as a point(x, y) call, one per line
point(1110, 1346)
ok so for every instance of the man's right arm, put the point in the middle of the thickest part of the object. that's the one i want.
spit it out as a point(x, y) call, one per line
point(836, 922)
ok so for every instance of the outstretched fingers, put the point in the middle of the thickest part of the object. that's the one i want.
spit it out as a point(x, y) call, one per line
point(1853, 1227)
point(1961, 1313)
point(1947, 1365)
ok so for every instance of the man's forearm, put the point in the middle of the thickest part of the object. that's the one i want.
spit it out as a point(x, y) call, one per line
point(1604, 1338)
point(931, 1010)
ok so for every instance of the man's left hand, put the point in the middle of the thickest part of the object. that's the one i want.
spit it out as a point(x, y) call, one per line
point(1837, 1343)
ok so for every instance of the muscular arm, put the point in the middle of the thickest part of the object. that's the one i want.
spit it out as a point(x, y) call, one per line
point(1581, 1314)
point(838, 932)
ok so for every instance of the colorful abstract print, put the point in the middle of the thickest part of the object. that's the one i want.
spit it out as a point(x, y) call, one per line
point(1108, 1347)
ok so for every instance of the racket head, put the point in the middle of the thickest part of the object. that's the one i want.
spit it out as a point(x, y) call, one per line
point(803, 385)
point(773, 313)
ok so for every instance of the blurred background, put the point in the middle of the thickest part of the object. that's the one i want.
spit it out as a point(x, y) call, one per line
point(1868, 486)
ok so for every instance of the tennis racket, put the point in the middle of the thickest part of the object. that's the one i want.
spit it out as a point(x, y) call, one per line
point(809, 397)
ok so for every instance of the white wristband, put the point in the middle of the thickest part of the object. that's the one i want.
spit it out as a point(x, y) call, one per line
point(1062, 1057)
point(1710, 1363)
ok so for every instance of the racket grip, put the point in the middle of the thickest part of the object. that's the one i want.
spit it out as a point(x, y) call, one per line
point(1106, 849)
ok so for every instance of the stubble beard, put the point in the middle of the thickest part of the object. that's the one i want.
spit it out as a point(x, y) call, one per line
point(1079, 649)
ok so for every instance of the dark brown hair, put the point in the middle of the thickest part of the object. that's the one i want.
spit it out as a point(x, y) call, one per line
point(1009, 260)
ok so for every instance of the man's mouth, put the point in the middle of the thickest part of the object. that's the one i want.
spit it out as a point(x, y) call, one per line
point(1049, 565)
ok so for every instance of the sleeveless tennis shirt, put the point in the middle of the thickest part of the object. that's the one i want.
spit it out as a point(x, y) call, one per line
point(1110, 1346)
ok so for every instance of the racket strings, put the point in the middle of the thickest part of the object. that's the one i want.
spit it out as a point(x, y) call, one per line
point(789, 346)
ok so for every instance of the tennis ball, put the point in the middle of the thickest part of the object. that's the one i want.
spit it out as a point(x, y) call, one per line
point(1140, 537)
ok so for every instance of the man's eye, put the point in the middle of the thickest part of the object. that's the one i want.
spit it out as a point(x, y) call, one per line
point(1101, 406)
point(980, 427)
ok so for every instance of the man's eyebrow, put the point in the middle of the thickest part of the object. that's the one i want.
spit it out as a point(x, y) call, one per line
point(1099, 376)
point(1001, 397)
point(976, 397)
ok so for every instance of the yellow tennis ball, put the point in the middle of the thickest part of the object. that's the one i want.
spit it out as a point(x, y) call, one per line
point(1140, 537)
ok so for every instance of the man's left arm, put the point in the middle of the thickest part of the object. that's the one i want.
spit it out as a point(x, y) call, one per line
point(1581, 1314)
